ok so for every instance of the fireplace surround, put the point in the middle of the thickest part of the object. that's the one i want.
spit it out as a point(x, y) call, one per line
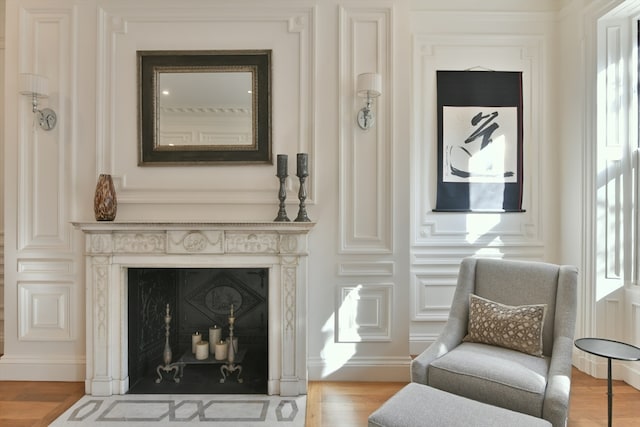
point(111, 248)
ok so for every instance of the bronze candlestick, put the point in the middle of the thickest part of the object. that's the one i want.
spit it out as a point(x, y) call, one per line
point(302, 173)
point(282, 194)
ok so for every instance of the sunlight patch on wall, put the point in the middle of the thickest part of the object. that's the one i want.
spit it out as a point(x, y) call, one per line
point(334, 355)
point(363, 315)
point(480, 224)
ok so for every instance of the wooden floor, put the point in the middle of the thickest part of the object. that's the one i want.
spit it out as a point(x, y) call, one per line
point(329, 404)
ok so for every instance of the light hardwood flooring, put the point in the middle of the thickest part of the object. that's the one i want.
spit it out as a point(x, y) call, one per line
point(329, 404)
point(348, 404)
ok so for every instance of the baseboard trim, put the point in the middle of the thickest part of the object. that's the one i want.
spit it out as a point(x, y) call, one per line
point(597, 367)
point(631, 374)
point(394, 369)
point(29, 368)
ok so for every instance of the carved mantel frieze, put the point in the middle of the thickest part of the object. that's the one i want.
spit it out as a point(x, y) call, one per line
point(195, 238)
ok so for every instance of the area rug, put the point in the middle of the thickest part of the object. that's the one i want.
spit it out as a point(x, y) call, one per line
point(186, 410)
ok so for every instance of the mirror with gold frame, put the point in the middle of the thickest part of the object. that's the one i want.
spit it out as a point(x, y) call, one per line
point(204, 107)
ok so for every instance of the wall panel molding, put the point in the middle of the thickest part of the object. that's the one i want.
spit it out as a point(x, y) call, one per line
point(441, 240)
point(612, 191)
point(366, 268)
point(46, 47)
point(614, 175)
point(634, 333)
point(44, 311)
point(291, 31)
point(365, 157)
point(46, 267)
point(613, 317)
point(364, 313)
point(432, 286)
point(455, 52)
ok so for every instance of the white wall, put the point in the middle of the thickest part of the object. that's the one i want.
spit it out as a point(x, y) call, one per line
point(598, 66)
point(580, 94)
point(357, 188)
point(1, 178)
point(504, 36)
point(376, 241)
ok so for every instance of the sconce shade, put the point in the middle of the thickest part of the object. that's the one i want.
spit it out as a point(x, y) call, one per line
point(369, 84)
point(34, 84)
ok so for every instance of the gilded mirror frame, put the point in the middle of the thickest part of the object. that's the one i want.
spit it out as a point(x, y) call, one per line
point(150, 66)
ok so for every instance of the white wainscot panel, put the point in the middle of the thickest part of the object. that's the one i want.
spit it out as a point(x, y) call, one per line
point(45, 48)
point(433, 297)
point(613, 316)
point(635, 323)
point(48, 266)
point(455, 52)
point(289, 31)
point(44, 312)
point(364, 313)
point(366, 158)
point(364, 268)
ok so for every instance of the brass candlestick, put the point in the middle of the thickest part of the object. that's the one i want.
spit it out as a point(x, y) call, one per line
point(230, 367)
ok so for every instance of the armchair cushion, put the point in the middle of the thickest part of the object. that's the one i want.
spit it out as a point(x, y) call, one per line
point(494, 375)
point(514, 327)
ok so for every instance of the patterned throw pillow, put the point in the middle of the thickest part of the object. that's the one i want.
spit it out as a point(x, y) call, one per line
point(515, 327)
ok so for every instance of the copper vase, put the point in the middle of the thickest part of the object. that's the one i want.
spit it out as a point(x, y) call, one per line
point(105, 204)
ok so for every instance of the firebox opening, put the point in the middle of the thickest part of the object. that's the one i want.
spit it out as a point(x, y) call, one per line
point(198, 299)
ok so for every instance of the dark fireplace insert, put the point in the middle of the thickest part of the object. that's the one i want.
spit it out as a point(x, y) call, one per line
point(198, 298)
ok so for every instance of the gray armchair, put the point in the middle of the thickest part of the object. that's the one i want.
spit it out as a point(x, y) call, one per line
point(503, 377)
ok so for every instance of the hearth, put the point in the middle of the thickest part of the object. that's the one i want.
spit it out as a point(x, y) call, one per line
point(198, 298)
point(114, 248)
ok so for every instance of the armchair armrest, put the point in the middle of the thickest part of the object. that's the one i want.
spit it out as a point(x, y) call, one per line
point(556, 401)
point(456, 327)
point(451, 336)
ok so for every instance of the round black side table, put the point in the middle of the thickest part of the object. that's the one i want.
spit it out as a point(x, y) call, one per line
point(611, 350)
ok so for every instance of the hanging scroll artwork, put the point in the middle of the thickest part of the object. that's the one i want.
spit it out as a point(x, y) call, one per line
point(479, 141)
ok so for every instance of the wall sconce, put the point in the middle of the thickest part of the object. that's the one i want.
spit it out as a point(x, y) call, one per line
point(369, 86)
point(36, 87)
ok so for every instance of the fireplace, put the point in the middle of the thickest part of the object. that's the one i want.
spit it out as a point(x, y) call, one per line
point(198, 299)
point(112, 248)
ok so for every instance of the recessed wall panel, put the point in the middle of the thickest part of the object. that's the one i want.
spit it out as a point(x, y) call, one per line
point(365, 157)
point(287, 31)
point(433, 298)
point(44, 312)
point(43, 181)
point(364, 313)
point(366, 268)
point(479, 52)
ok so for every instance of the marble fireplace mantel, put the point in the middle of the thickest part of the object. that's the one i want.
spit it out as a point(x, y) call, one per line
point(113, 247)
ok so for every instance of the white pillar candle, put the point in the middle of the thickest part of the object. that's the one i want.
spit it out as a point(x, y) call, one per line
point(202, 350)
point(221, 350)
point(215, 333)
point(195, 339)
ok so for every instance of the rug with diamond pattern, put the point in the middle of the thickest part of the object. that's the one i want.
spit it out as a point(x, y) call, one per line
point(186, 410)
